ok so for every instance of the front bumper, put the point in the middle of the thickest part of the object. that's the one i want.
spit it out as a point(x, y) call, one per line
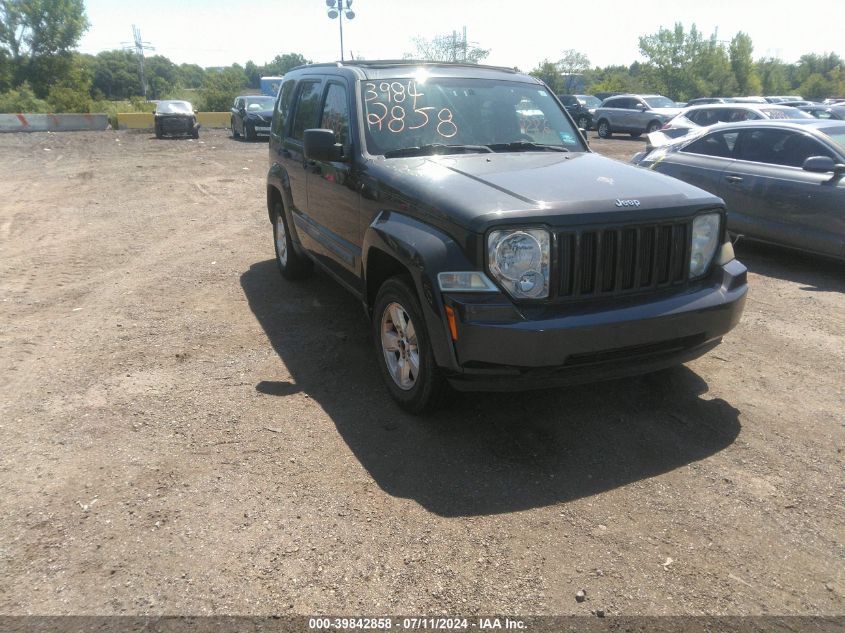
point(177, 124)
point(260, 126)
point(499, 348)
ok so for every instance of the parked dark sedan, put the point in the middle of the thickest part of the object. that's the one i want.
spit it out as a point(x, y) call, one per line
point(835, 112)
point(581, 108)
point(176, 118)
point(782, 181)
point(251, 116)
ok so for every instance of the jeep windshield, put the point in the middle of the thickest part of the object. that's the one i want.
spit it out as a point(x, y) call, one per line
point(439, 115)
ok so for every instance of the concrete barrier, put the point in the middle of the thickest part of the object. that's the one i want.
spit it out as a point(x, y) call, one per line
point(53, 122)
point(145, 121)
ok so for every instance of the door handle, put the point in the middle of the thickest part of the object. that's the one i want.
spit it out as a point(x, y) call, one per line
point(733, 179)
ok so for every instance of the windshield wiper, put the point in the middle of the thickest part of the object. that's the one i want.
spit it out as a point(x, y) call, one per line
point(435, 148)
point(526, 145)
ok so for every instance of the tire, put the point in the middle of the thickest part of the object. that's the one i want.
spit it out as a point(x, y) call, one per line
point(235, 133)
point(291, 264)
point(195, 133)
point(603, 129)
point(653, 127)
point(249, 132)
point(404, 349)
point(158, 131)
point(584, 123)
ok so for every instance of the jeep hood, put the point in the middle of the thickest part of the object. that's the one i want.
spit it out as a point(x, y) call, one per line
point(476, 190)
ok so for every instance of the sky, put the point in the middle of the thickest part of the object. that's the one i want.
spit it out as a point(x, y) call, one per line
point(521, 34)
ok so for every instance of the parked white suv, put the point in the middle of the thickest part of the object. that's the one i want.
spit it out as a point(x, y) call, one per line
point(634, 114)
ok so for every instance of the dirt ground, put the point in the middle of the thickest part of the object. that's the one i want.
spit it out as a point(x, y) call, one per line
point(183, 432)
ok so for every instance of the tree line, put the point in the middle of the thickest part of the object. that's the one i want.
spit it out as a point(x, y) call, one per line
point(683, 64)
point(41, 72)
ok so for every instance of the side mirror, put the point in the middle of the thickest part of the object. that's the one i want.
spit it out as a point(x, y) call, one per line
point(641, 106)
point(320, 145)
point(822, 164)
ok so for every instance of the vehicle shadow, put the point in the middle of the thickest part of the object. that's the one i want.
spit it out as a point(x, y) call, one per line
point(816, 273)
point(482, 453)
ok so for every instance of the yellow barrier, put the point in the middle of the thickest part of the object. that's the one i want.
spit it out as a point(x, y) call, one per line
point(134, 121)
point(144, 120)
point(214, 119)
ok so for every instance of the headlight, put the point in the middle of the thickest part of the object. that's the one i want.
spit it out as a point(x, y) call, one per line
point(705, 239)
point(519, 260)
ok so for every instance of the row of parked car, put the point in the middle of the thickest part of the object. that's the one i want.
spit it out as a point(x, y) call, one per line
point(638, 114)
point(778, 162)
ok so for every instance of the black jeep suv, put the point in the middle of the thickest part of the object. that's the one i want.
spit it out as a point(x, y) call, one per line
point(490, 247)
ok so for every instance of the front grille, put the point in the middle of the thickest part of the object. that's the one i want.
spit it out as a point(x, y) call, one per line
point(621, 260)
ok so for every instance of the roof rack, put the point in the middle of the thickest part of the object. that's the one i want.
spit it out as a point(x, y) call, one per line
point(388, 63)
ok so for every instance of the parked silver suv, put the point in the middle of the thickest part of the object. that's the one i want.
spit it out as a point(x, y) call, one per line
point(633, 114)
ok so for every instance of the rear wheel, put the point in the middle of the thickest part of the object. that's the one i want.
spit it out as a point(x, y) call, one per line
point(404, 348)
point(291, 264)
point(583, 123)
point(603, 128)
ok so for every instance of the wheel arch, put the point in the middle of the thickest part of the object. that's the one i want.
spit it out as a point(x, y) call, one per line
point(399, 244)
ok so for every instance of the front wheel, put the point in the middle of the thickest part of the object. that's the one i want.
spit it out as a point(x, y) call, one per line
point(404, 348)
point(584, 123)
point(603, 128)
point(235, 133)
point(249, 132)
point(652, 127)
point(291, 264)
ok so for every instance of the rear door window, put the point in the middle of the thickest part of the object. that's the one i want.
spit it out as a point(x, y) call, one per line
point(779, 147)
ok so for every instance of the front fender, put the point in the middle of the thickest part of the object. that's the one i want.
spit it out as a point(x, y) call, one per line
point(424, 251)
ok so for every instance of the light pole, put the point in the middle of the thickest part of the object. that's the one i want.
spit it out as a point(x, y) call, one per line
point(337, 9)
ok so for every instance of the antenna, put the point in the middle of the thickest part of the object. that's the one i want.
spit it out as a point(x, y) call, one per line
point(139, 46)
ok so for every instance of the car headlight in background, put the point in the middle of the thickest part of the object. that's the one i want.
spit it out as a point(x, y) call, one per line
point(519, 260)
point(705, 240)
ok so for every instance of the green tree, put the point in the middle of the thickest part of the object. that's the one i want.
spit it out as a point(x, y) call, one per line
point(73, 92)
point(190, 76)
point(774, 76)
point(670, 54)
point(742, 63)
point(220, 88)
point(115, 74)
point(37, 36)
point(711, 70)
point(22, 99)
point(161, 75)
point(253, 74)
point(549, 72)
point(816, 87)
point(572, 66)
point(282, 64)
